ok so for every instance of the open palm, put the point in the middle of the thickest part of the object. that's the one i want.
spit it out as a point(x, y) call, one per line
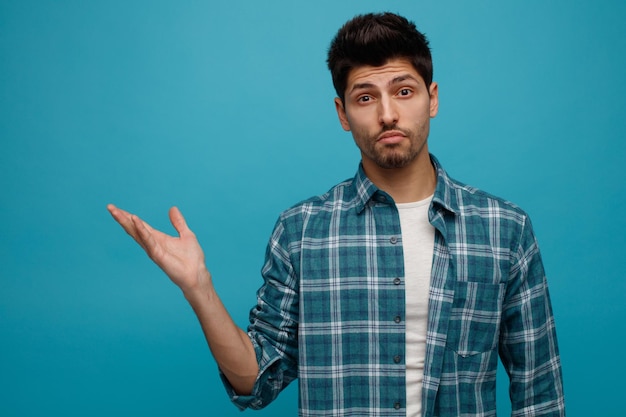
point(181, 258)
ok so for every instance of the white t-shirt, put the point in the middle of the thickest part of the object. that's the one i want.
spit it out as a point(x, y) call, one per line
point(418, 239)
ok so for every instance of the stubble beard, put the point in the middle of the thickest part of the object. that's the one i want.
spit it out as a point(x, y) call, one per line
point(395, 155)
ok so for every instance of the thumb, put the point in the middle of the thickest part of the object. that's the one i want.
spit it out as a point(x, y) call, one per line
point(178, 221)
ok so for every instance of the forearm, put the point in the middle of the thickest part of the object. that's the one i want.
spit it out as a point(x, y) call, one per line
point(182, 259)
point(231, 347)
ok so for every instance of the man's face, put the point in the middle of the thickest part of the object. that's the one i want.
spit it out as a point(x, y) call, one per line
point(388, 110)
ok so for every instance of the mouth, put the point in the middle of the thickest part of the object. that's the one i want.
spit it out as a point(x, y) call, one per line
point(391, 137)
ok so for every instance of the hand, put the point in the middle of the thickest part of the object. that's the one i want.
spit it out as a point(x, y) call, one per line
point(181, 258)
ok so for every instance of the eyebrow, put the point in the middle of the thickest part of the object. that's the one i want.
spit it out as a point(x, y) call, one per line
point(395, 80)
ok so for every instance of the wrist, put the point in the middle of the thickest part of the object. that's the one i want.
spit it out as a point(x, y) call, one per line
point(201, 287)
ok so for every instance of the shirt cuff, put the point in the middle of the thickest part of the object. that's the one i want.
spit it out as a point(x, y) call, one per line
point(243, 401)
point(268, 384)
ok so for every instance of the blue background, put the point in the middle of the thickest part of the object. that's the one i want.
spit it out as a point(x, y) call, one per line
point(225, 109)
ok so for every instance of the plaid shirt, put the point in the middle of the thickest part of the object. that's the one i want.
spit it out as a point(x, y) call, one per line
point(331, 311)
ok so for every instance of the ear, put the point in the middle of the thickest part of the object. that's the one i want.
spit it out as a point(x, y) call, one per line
point(341, 112)
point(434, 99)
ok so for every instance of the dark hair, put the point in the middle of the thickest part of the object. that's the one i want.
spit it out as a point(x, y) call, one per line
point(373, 39)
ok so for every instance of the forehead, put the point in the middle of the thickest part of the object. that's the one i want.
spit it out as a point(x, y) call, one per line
point(382, 75)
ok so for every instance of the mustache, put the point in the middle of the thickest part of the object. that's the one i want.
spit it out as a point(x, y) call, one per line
point(394, 126)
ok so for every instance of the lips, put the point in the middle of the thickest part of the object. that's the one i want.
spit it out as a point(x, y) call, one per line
point(391, 137)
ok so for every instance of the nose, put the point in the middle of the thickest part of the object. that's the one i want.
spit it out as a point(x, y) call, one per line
point(387, 112)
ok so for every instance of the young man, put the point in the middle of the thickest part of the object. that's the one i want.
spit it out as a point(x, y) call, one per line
point(394, 293)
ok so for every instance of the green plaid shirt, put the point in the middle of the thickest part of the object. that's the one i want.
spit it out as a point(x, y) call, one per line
point(331, 311)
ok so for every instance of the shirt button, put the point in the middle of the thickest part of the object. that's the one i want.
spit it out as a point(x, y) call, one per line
point(397, 319)
point(397, 281)
point(397, 359)
point(396, 405)
point(393, 240)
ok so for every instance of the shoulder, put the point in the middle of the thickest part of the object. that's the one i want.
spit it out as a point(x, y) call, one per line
point(481, 216)
point(468, 201)
point(340, 195)
point(476, 198)
point(292, 221)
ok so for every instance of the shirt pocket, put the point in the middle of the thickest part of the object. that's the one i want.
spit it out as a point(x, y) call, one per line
point(475, 317)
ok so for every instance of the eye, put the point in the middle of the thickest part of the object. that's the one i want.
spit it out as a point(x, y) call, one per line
point(405, 92)
point(363, 99)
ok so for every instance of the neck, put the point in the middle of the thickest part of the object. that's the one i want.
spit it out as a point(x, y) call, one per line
point(413, 182)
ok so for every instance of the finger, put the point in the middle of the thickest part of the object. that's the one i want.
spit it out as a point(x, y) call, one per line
point(178, 221)
point(114, 211)
point(138, 229)
point(118, 214)
point(124, 219)
point(144, 235)
point(146, 225)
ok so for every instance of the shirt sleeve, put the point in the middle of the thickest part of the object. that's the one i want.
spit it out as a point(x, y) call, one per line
point(528, 344)
point(273, 327)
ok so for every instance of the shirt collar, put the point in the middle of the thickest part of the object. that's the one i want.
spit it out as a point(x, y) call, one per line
point(444, 189)
point(365, 189)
